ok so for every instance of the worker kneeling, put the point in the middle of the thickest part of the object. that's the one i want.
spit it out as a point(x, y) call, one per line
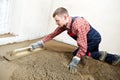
point(87, 38)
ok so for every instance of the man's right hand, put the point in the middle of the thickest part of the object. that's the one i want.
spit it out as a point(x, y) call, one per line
point(36, 45)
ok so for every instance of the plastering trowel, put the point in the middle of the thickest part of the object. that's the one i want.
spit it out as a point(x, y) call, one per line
point(20, 52)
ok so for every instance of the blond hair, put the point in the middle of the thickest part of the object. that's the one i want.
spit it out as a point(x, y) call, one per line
point(60, 11)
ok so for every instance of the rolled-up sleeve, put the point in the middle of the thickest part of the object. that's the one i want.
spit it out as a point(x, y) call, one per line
point(50, 36)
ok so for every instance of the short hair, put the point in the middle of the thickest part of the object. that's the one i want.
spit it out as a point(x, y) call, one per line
point(59, 11)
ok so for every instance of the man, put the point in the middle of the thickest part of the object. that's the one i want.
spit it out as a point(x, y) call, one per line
point(87, 38)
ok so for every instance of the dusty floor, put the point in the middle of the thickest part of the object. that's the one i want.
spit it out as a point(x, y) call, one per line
point(51, 64)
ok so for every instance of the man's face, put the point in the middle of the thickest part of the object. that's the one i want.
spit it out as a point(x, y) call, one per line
point(60, 20)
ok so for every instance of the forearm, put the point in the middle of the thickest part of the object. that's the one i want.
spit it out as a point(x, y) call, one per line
point(50, 36)
point(81, 53)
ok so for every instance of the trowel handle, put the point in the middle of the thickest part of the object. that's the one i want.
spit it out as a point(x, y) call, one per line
point(21, 49)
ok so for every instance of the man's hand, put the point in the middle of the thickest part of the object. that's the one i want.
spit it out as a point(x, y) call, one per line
point(73, 64)
point(36, 45)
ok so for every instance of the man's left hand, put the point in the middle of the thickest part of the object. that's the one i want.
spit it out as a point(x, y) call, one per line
point(73, 64)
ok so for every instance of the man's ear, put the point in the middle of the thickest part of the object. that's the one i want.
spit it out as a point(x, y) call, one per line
point(65, 16)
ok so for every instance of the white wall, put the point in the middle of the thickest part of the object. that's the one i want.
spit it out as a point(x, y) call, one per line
point(29, 17)
point(103, 15)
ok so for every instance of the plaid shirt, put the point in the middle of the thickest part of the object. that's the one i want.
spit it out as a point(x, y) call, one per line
point(80, 28)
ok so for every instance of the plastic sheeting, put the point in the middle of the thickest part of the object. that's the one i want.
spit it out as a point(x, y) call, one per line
point(8, 40)
point(4, 5)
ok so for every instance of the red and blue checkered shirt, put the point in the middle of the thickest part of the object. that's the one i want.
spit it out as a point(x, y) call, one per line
point(80, 28)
